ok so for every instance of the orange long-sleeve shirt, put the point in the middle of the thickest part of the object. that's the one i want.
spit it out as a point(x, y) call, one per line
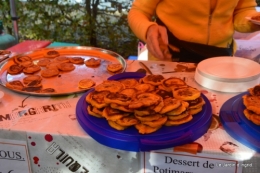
point(211, 22)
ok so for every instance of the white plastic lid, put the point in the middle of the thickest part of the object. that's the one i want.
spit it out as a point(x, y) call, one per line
point(228, 74)
point(229, 69)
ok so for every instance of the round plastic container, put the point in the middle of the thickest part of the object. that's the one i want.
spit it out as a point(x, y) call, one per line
point(130, 139)
point(228, 74)
point(237, 125)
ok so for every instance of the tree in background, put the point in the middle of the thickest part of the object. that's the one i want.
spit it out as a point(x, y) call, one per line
point(87, 23)
point(5, 16)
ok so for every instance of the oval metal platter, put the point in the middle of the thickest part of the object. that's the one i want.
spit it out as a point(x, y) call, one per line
point(4, 54)
point(66, 82)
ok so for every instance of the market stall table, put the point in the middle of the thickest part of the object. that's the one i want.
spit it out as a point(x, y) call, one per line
point(44, 133)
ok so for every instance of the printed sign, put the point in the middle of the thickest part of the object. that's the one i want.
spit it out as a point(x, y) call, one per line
point(159, 162)
point(14, 157)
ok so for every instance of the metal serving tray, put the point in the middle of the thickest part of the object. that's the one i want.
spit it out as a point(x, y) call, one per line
point(66, 82)
point(4, 54)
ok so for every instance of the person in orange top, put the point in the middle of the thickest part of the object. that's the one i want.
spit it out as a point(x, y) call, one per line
point(190, 31)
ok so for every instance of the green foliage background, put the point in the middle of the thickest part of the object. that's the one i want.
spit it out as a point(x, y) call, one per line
point(83, 24)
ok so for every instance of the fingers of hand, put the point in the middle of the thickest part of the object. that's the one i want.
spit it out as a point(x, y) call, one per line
point(166, 52)
point(157, 42)
point(152, 41)
point(155, 51)
point(163, 39)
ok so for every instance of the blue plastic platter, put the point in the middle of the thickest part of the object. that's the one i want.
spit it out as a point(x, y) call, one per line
point(237, 125)
point(130, 140)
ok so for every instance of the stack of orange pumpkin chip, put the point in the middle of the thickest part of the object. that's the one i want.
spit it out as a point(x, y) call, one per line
point(252, 104)
point(147, 104)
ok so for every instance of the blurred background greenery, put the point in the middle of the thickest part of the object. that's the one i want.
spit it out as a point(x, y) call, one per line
point(88, 23)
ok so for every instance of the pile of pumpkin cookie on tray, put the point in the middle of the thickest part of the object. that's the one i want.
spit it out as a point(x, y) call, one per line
point(147, 104)
point(251, 100)
point(48, 66)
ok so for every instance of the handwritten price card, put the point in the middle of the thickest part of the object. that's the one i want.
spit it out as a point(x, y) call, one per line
point(14, 157)
point(159, 162)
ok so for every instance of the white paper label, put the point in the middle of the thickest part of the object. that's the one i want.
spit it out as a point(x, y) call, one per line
point(14, 157)
point(154, 162)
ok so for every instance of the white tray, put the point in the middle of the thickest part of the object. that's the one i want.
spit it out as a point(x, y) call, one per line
point(228, 74)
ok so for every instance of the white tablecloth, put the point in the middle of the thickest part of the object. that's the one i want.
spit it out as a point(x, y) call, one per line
point(49, 127)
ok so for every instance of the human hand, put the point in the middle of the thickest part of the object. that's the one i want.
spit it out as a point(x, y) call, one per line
point(157, 42)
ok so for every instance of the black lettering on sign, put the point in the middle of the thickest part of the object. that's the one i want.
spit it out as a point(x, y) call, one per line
point(208, 165)
point(47, 108)
point(66, 155)
point(61, 154)
point(6, 117)
point(168, 159)
point(74, 167)
point(69, 159)
point(54, 108)
point(10, 155)
point(18, 155)
point(65, 158)
point(32, 111)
